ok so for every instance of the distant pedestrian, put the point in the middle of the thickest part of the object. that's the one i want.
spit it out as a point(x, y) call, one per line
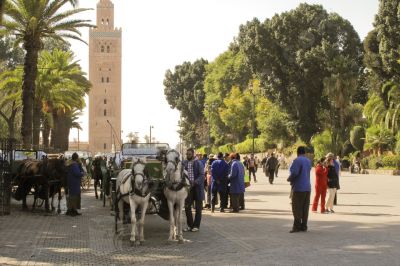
point(272, 164)
point(75, 173)
point(208, 179)
point(252, 167)
point(219, 171)
point(236, 179)
point(299, 179)
point(333, 182)
point(321, 185)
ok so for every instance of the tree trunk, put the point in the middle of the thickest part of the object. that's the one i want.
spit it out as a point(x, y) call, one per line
point(37, 111)
point(46, 133)
point(28, 89)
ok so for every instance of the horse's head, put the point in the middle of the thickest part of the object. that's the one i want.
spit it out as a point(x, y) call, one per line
point(171, 162)
point(139, 171)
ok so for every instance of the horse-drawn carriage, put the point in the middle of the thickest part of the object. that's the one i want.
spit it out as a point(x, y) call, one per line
point(151, 180)
point(34, 173)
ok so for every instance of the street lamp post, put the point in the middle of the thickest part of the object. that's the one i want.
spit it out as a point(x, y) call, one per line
point(251, 90)
point(150, 134)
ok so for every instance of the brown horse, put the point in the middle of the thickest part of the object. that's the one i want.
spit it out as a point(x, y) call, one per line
point(46, 177)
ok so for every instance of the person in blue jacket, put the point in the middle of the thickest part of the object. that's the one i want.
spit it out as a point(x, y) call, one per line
point(219, 173)
point(236, 179)
point(196, 192)
point(75, 173)
point(299, 179)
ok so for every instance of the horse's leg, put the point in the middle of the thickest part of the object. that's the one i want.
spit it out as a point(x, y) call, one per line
point(121, 212)
point(171, 220)
point(95, 188)
point(59, 200)
point(141, 222)
point(133, 220)
point(179, 221)
point(46, 195)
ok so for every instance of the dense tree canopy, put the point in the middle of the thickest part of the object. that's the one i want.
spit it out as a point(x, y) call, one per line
point(293, 53)
point(184, 90)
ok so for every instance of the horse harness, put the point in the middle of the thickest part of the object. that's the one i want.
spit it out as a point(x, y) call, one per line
point(176, 185)
point(134, 189)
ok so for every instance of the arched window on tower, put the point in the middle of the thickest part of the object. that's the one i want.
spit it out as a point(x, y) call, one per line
point(102, 21)
point(108, 48)
point(105, 101)
point(102, 49)
point(108, 79)
point(105, 112)
point(108, 22)
point(102, 79)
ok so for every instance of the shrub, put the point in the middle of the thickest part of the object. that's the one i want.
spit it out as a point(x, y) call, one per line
point(372, 162)
point(392, 161)
point(227, 148)
point(357, 137)
point(247, 146)
point(322, 143)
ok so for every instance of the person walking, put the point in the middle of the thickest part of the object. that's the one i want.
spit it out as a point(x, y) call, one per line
point(236, 179)
point(74, 175)
point(219, 173)
point(299, 179)
point(196, 191)
point(252, 167)
point(272, 164)
point(208, 180)
point(321, 185)
point(333, 183)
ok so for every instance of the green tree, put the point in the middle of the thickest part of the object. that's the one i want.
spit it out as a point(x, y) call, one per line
point(379, 139)
point(387, 114)
point(322, 144)
point(387, 25)
point(273, 123)
point(237, 113)
point(227, 70)
point(184, 90)
point(10, 56)
point(31, 23)
point(10, 98)
point(293, 53)
point(61, 88)
point(357, 137)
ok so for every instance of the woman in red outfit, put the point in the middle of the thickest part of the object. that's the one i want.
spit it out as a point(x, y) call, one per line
point(321, 185)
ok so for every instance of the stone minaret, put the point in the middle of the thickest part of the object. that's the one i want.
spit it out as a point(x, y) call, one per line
point(105, 76)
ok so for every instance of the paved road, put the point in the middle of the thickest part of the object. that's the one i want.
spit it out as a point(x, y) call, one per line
point(365, 230)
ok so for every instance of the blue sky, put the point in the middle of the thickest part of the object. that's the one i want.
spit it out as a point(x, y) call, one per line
point(159, 34)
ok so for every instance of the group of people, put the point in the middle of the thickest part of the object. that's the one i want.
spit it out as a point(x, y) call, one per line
point(327, 178)
point(222, 176)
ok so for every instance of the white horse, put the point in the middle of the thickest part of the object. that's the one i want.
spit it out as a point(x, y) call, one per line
point(176, 191)
point(133, 188)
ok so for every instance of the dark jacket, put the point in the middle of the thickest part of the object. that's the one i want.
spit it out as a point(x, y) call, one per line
point(333, 180)
point(198, 172)
point(272, 163)
point(219, 173)
point(75, 173)
point(236, 177)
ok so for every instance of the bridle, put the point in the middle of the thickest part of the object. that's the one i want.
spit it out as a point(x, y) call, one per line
point(174, 162)
point(139, 190)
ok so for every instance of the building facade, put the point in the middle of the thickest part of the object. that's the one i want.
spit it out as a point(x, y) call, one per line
point(105, 76)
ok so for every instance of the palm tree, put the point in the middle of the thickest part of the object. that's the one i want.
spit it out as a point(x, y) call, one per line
point(10, 95)
point(62, 86)
point(2, 4)
point(386, 114)
point(32, 21)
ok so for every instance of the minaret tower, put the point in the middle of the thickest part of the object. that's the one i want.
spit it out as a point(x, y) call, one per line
point(105, 76)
